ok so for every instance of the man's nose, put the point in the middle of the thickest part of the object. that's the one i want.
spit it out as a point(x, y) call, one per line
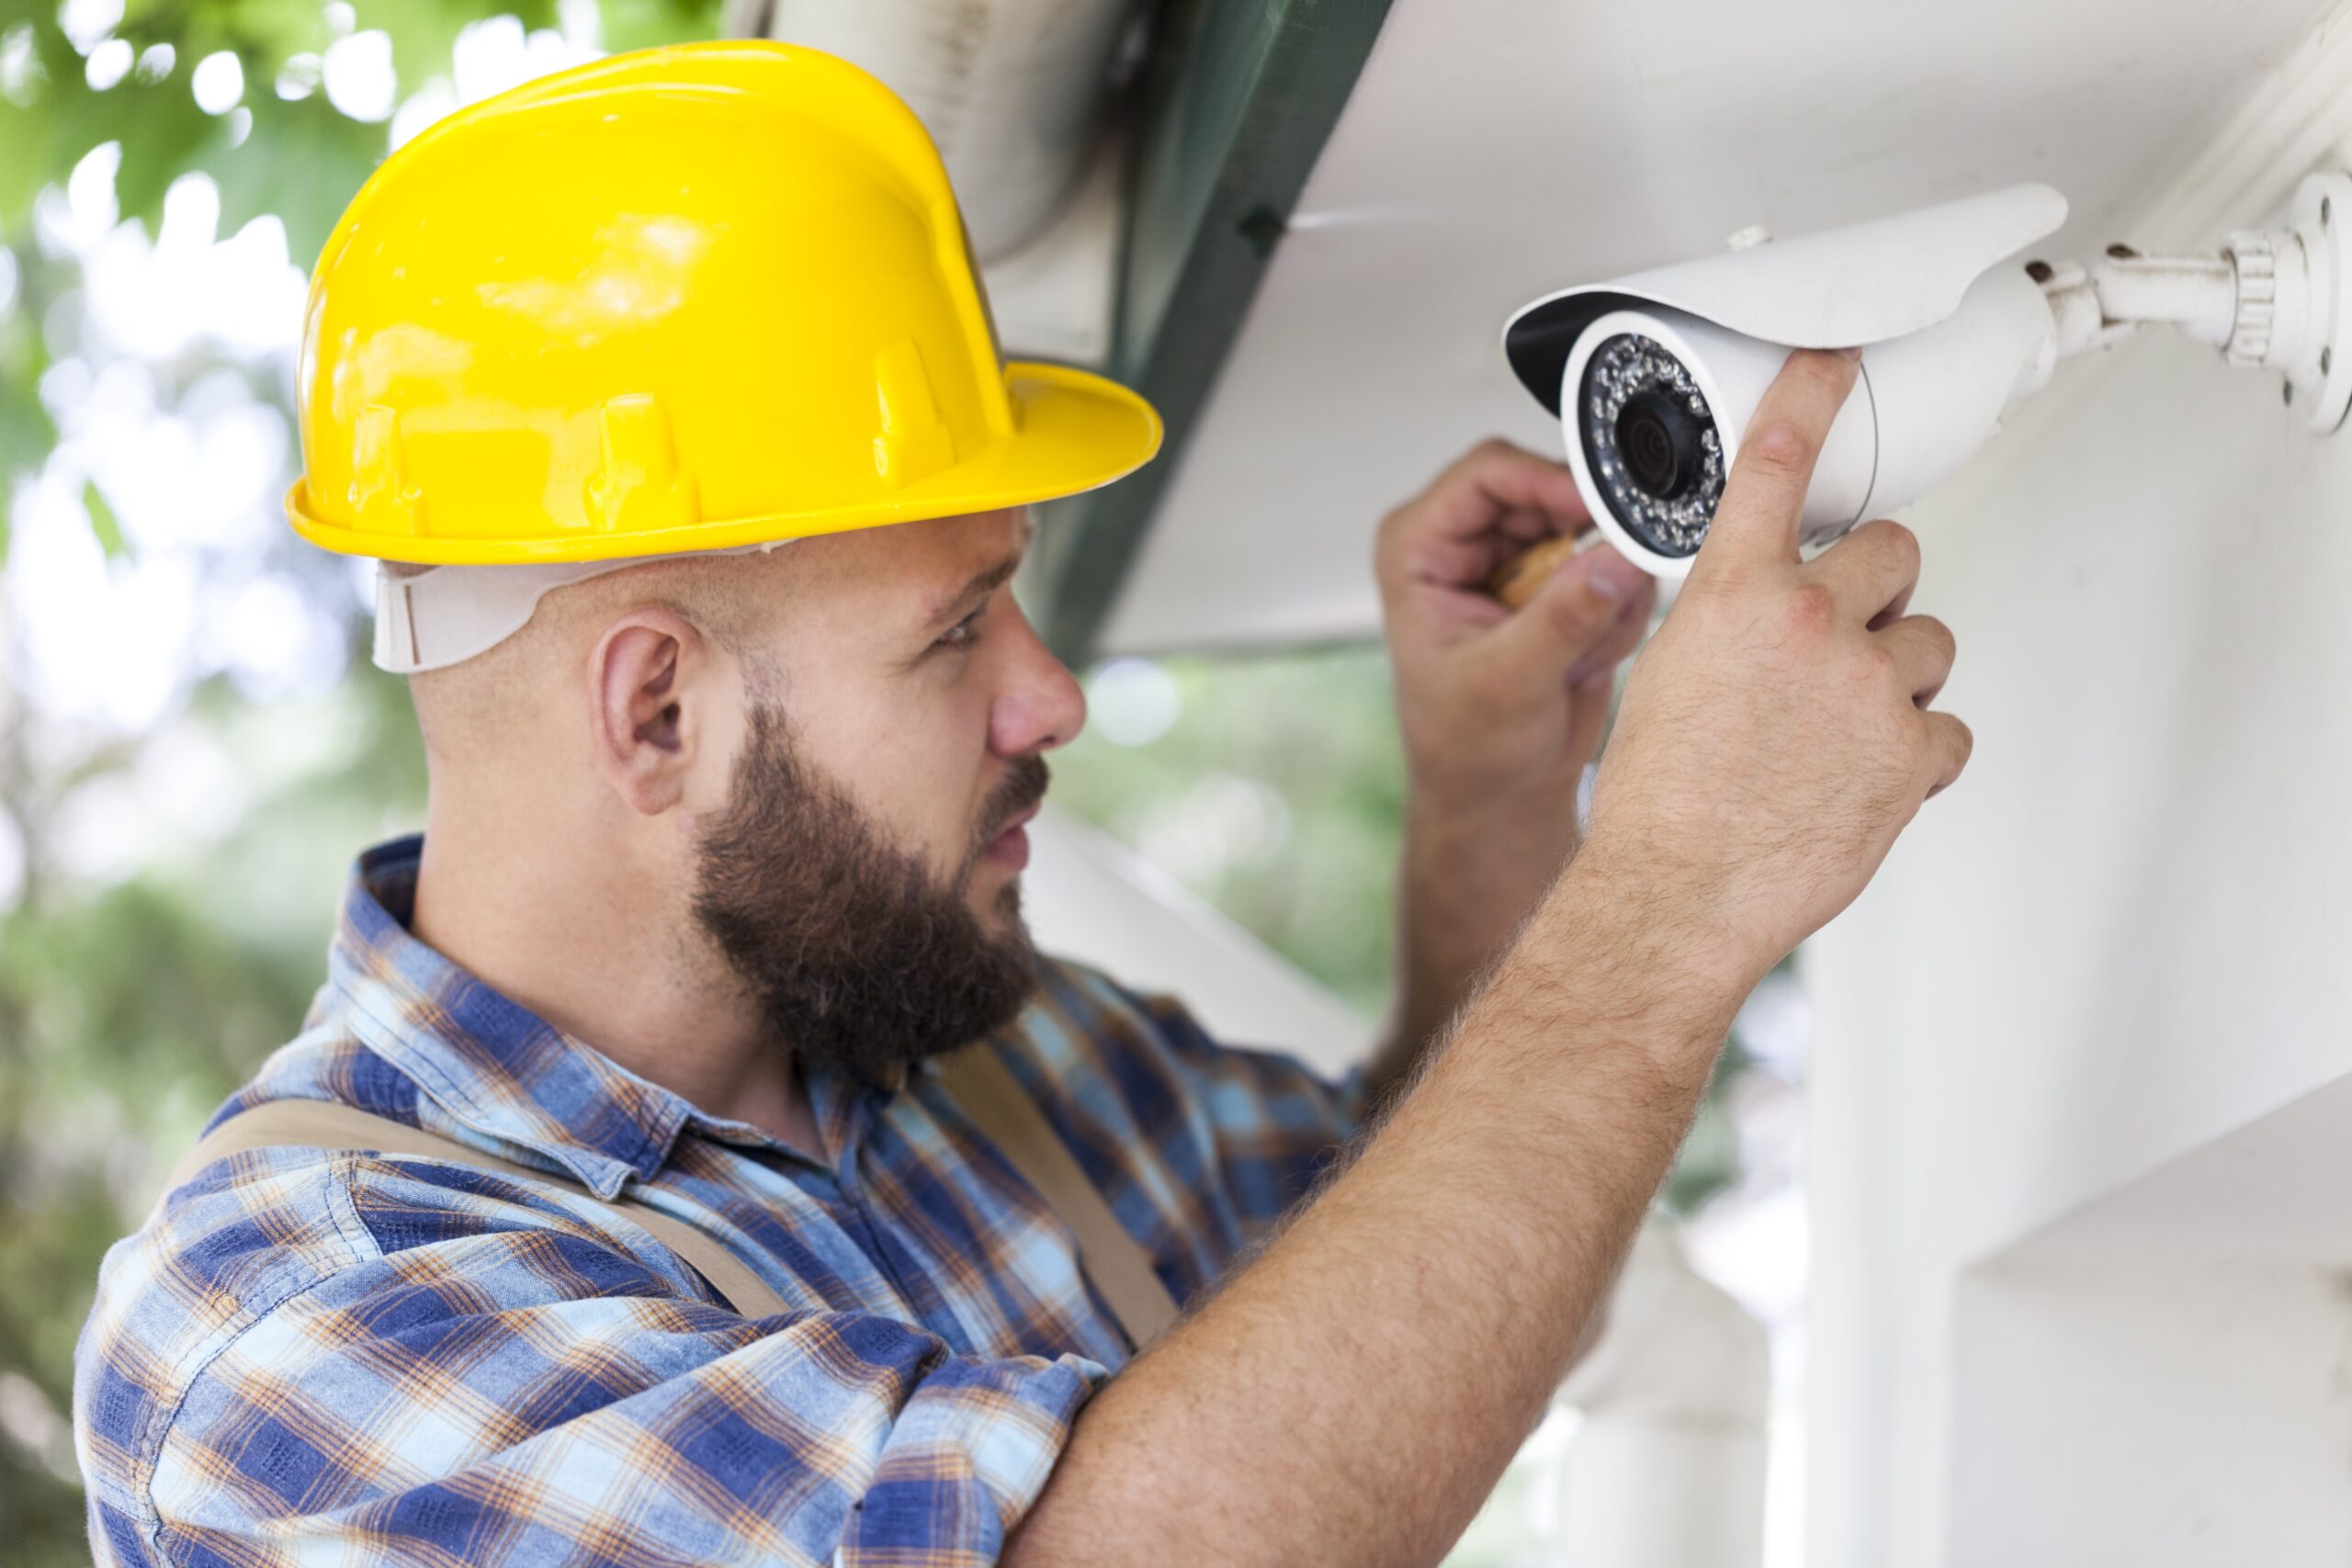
point(1041, 705)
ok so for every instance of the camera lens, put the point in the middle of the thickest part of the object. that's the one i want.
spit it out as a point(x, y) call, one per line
point(1659, 442)
point(1650, 442)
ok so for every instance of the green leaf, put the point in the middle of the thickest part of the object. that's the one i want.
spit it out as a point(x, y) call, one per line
point(641, 24)
point(102, 521)
point(303, 161)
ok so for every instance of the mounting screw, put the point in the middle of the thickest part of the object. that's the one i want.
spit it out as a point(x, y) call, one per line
point(1262, 228)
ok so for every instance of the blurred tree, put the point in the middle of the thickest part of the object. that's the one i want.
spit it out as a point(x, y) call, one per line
point(166, 886)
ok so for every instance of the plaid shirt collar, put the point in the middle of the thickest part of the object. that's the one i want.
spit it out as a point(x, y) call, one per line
point(493, 1065)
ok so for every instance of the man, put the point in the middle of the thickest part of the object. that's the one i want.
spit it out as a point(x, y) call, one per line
point(719, 1260)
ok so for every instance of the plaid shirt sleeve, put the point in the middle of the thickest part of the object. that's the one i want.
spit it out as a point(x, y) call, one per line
point(447, 1367)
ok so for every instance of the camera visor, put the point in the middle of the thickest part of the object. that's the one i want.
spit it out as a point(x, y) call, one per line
point(1650, 444)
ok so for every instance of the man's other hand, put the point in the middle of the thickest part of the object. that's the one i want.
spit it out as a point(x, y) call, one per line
point(1776, 735)
point(1501, 709)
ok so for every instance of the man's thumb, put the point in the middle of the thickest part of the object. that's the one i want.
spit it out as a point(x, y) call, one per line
point(1569, 616)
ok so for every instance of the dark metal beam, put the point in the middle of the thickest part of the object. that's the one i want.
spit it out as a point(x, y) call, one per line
point(1238, 99)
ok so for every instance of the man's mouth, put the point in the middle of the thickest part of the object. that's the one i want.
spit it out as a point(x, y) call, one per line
point(1010, 848)
point(1016, 799)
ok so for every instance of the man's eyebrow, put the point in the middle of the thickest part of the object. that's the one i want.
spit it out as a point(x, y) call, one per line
point(982, 584)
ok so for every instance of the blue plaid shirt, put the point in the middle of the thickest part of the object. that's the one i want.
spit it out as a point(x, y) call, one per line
point(333, 1358)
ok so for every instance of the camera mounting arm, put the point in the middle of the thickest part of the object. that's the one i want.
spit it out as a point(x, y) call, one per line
point(2274, 298)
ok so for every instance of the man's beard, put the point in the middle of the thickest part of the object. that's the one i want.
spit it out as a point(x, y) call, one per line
point(858, 959)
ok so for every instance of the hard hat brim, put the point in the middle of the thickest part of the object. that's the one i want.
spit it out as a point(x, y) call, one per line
point(1073, 432)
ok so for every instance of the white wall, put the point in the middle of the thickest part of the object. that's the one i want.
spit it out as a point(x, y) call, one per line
point(1088, 897)
point(2125, 936)
point(2176, 1354)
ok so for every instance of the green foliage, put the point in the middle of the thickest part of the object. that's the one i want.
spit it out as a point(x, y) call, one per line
point(102, 521)
point(300, 159)
point(129, 1011)
point(1312, 736)
point(132, 1002)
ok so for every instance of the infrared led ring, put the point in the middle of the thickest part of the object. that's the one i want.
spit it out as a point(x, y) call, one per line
point(1651, 444)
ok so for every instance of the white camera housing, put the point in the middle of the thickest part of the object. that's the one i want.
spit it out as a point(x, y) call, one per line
point(1952, 330)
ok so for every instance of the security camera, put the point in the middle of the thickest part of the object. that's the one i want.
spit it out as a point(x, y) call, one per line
point(1656, 376)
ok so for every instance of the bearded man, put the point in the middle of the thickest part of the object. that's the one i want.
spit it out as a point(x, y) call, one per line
point(689, 1160)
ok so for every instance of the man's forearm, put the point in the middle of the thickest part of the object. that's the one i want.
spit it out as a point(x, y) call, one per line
point(1351, 1396)
point(1466, 880)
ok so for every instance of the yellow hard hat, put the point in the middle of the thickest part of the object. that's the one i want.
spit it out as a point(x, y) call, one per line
point(688, 298)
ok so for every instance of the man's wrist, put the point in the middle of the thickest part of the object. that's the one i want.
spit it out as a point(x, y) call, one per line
point(1671, 979)
point(1534, 831)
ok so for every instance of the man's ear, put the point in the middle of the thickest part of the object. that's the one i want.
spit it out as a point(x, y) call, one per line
point(651, 687)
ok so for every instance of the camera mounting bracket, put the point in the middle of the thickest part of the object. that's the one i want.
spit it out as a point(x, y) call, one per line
point(2277, 299)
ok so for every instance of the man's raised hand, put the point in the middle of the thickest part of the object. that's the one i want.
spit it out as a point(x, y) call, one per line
point(1500, 709)
point(1775, 737)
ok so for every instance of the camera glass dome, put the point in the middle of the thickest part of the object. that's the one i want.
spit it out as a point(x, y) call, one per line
point(1650, 442)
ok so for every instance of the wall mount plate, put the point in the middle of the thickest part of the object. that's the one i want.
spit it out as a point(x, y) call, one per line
point(2321, 211)
point(2293, 310)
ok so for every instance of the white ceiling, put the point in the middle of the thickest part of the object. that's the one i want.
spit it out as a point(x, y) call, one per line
point(1496, 150)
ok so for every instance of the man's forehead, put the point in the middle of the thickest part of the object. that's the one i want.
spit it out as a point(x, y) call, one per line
point(937, 559)
point(974, 538)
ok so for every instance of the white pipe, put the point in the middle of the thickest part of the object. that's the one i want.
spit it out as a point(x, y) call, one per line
point(2097, 307)
point(1010, 90)
point(2197, 294)
point(1667, 1469)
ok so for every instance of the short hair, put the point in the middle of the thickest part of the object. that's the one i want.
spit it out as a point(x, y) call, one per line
point(467, 709)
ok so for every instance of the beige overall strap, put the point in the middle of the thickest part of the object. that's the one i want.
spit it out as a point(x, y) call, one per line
point(989, 1093)
point(321, 1124)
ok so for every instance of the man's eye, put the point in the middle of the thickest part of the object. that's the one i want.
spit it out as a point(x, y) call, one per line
point(964, 633)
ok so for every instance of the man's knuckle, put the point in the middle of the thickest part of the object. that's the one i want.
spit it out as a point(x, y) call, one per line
point(1808, 609)
point(1876, 665)
point(1572, 624)
point(1939, 638)
point(1778, 449)
point(1484, 685)
point(1892, 539)
point(1833, 371)
point(1922, 743)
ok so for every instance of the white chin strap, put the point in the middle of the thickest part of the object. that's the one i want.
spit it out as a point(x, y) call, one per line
point(431, 617)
